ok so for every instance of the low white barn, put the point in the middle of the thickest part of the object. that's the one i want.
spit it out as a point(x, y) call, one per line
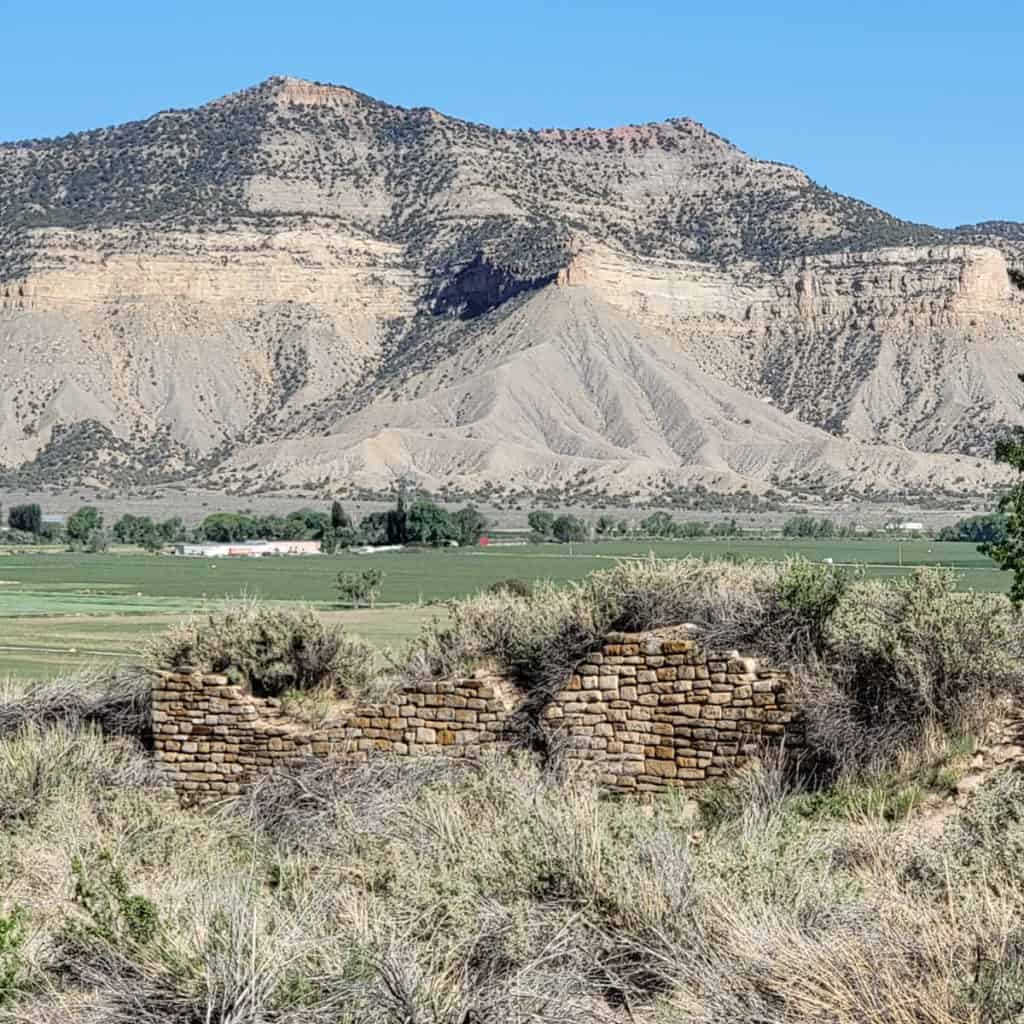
point(908, 527)
point(249, 549)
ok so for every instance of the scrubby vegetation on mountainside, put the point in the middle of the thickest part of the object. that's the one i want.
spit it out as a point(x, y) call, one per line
point(449, 893)
point(192, 168)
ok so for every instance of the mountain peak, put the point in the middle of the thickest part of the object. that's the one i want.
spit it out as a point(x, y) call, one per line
point(291, 91)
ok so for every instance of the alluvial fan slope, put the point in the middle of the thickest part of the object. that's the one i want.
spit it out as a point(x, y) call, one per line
point(298, 282)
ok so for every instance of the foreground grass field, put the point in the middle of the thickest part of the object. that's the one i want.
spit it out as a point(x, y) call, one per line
point(61, 611)
point(872, 875)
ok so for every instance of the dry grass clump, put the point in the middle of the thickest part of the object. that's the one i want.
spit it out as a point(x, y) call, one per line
point(39, 765)
point(447, 893)
point(117, 701)
point(270, 650)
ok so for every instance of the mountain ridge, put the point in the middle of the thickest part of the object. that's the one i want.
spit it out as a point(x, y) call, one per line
point(179, 292)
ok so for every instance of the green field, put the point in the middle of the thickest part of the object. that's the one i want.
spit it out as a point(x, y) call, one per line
point(60, 610)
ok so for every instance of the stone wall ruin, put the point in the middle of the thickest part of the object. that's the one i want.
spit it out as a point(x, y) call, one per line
point(646, 711)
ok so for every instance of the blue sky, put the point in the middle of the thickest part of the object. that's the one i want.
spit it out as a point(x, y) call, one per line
point(914, 106)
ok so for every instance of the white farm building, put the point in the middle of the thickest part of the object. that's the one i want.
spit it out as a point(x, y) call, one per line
point(249, 549)
point(906, 527)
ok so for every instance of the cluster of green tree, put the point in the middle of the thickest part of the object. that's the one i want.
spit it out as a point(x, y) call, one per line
point(26, 526)
point(808, 526)
point(990, 529)
point(26, 519)
point(422, 522)
point(359, 588)
point(146, 533)
point(546, 526)
point(661, 524)
point(563, 528)
point(232, 527)
point(83, 530)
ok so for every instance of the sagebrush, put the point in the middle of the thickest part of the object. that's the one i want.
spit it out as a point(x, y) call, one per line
point(269, 649)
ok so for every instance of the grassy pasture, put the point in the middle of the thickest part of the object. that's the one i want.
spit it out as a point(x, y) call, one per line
point(60, 610)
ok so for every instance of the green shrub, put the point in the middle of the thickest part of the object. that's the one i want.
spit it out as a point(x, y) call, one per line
point(109, 912)
point(984, 841)
point(269, 650)
point(358, 588)
point(20, 537)
point(513, 586)
point(809, 593)
point(13, 933)
point(906, 662)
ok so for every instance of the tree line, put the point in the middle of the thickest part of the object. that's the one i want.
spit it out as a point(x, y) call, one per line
point(546, 526)
point(418, 522)
point(986, 529)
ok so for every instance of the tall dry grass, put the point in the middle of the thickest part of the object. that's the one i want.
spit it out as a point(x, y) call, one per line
point(117, 701)
point(453, 893)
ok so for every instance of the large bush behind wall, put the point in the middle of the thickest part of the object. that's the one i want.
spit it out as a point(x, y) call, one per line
point(908, 656)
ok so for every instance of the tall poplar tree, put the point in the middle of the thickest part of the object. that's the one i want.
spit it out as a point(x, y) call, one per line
point(1008, 553)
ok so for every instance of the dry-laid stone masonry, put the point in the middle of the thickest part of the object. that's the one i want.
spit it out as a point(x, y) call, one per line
point(649, 711)
point(657, 711)
point(215, 738)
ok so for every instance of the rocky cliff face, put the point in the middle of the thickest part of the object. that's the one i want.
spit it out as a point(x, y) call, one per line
point(296, 265)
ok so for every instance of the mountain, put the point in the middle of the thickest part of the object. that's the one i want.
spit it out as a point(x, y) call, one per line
point(299, 284)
